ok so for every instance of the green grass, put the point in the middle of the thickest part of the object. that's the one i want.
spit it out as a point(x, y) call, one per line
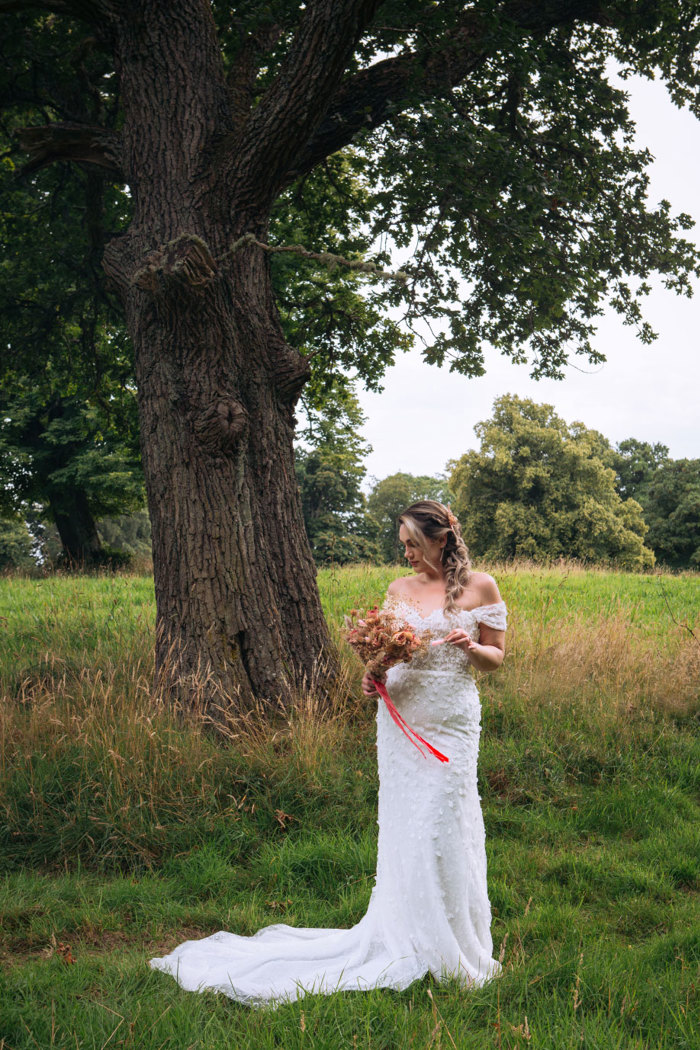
point(123, 832)
point(652, 600)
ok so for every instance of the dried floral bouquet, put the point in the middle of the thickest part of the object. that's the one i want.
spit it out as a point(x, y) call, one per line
point(381, 643)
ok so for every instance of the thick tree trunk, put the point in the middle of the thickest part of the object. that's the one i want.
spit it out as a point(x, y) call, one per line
point(76, 527)
point(68, 504)
point(238, 605)
point(238, 610)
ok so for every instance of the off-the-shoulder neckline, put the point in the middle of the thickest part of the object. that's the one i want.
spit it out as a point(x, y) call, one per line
point(400, 600)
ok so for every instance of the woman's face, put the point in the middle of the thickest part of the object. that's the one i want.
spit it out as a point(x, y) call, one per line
point(421, 560)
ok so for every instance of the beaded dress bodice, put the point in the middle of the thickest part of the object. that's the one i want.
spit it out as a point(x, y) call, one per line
point(437, 624)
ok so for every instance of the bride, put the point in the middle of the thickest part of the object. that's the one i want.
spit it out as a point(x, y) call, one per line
point(429, 909)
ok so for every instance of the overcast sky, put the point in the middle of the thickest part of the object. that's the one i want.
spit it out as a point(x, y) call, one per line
point(425, 415)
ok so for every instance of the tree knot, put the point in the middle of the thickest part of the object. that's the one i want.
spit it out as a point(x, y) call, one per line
point(219, 426)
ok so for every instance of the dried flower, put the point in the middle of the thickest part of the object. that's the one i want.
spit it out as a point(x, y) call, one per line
point(380, 641)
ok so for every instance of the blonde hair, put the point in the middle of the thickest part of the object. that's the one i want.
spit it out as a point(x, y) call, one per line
point(431, 520)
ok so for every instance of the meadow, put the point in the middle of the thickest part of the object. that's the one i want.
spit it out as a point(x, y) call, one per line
point(125, 829)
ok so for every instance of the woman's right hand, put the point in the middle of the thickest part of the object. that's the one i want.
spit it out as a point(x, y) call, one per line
point(367, 687)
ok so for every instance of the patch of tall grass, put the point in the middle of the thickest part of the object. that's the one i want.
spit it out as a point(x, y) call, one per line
point(92, 767)
point(125, 828)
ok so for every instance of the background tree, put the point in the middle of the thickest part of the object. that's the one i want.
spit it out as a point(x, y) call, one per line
point(669, 493)
point(66, 461)
point(541, 488)
point(393, 494)
point(130, 533)
point(672, 511)
point(636, 463)
point(330, 471)
point(487, 135)
point(69, 432)
point(16, 544)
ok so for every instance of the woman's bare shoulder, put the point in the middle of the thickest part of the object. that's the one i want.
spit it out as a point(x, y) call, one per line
point(401, 585)
point(486, 588)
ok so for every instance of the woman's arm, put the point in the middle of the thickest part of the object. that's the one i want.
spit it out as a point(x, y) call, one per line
point(486, 654)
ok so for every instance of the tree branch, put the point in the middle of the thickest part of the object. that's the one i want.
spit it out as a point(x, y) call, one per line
point(327, 258)
point(85, 10)
point(295, 103)
point(373, 95)
point(82, 143)
point(241, 79)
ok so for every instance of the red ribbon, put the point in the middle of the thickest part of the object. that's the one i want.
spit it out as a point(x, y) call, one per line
point(403, 724)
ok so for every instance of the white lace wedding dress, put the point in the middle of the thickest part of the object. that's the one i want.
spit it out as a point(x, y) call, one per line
point(429, 909)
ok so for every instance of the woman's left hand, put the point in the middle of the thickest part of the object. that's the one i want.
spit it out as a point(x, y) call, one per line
point(463, 640)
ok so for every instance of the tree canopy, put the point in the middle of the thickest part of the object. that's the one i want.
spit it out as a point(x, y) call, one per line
point(486, 142)
point(636, 463)
point(669, 493)
point(541, 488)
point(672, 510)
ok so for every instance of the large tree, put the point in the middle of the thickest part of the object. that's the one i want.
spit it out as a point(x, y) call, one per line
point(488, 136)
point(69, 431)
point(330, 471)
point(539, 487)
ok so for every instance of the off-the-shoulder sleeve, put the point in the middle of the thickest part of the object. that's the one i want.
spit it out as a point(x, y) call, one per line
point(494, 615)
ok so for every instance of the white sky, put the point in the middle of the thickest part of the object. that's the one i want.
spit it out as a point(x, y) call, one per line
point(425, 415)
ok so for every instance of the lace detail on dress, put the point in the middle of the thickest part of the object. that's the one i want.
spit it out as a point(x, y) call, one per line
point(437, 624)
point(492, 615)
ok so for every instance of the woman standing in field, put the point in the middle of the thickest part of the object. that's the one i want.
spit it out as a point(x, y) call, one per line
point(429, 910)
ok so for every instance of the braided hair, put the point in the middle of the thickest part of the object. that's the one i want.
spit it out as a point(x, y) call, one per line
point(431, 520)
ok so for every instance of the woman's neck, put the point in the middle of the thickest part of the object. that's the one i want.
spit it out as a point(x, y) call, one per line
point(431, 577)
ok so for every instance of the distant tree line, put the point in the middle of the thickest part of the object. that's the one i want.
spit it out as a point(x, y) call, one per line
point(537, 487)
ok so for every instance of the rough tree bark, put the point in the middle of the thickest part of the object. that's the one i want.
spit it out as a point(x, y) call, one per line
point(238, 610)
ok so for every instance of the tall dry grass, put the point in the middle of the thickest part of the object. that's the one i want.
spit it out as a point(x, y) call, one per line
point(607, 668)
point(92, 763)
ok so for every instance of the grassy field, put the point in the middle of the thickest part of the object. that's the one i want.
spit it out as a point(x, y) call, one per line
point(123, 831)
